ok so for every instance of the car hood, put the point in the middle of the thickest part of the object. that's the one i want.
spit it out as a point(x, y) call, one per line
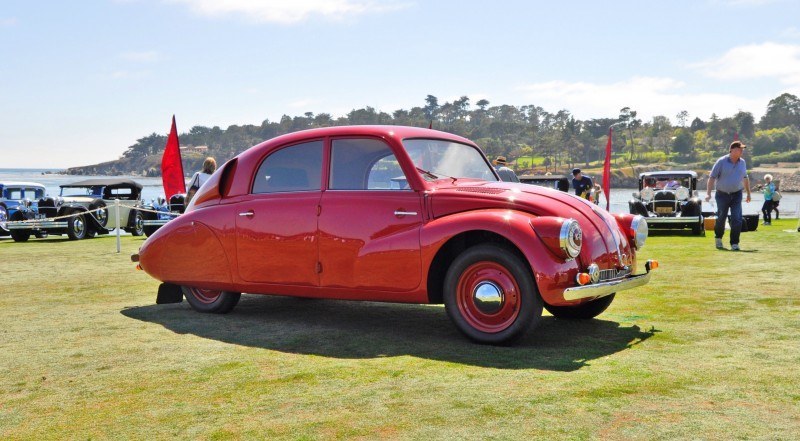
point(603, 238)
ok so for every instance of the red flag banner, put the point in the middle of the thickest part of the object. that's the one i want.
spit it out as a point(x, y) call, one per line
point(607, 170)
point(172, 166)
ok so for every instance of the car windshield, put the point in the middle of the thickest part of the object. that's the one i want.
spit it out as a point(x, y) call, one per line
point(436, 159)
point(94, 190)
point(666, 182)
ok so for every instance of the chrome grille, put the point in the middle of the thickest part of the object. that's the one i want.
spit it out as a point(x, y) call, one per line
point(613, 274)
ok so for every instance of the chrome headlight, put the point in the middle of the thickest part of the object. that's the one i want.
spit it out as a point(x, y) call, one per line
point(639, 231)
point(571, 238)
point(682, 193)
point(647, 194)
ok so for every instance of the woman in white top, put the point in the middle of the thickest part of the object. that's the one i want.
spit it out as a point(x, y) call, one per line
point(200, 178)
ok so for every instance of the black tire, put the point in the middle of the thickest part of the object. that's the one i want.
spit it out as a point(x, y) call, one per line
point(19, 235)
point(584, 311)
point(636, 207)
point(3, 219)
point(490, 295)
point(699, 229)
point(76, 227)
point(100, 216)
point(138, 224)
point(209, 300)
point(148, 230)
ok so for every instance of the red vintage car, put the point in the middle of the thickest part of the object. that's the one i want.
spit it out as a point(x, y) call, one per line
point(395, 214)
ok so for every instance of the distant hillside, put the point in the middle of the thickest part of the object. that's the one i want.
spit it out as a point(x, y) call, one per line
point(554, 141)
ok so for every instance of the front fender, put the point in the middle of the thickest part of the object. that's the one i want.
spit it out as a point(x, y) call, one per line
point(552, 274)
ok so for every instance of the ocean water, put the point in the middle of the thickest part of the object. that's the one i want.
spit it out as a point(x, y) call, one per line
point(153, 188)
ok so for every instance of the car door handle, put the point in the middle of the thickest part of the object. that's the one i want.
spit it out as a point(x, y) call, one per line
point(405, 213)
point(247, 213)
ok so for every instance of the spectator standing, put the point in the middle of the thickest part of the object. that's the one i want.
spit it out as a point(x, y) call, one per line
point(769, 191)
point(729, 178)
point(200, 177)
point(582, 184)
point(506, 174)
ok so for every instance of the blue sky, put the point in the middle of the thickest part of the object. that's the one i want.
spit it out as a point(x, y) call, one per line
point(81, 81)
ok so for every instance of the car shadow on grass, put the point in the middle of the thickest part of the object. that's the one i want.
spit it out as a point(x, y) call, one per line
point(343, 329)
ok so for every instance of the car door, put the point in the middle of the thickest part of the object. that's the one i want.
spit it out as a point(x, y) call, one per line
point(276, 224)
point(369, 221)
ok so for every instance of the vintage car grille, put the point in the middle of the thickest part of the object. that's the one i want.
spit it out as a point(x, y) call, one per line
point(613, 274)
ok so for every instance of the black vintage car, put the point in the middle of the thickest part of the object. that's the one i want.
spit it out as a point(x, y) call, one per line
point(668, 200)
point(82, 210)
point(559, 182)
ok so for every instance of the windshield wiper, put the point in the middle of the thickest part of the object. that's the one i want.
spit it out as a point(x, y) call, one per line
point(434, 175)
point(427, 173)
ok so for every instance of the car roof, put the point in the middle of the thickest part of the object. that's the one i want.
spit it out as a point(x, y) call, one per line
point(677, 173)
point(20, 184)
point(402, 132)
point(106, 182)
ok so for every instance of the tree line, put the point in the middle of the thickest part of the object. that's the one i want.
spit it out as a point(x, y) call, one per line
point(549, 139)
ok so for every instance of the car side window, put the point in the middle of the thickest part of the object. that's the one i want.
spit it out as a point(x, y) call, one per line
point(365, 164)
point(294, 168)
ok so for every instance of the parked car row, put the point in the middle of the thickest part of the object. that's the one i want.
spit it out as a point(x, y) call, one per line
point(82, 210)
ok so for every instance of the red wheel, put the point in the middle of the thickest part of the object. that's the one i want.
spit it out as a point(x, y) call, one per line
point(490, 296)
point(210, 300)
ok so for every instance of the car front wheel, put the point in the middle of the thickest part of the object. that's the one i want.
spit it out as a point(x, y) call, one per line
point(584, 311)
point(76, 227)
point(210, 300)
point(490, 296)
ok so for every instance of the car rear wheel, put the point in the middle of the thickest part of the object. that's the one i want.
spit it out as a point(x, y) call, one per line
point(76, 227)
point(490, 296)
point(210, 300)
point(138, 224)
point(584, 311)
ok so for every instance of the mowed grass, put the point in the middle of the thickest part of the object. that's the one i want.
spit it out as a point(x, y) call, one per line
point(709, 349)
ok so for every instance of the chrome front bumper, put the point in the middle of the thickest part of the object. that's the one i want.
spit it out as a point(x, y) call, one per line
point(674, 220)
point(603, 289)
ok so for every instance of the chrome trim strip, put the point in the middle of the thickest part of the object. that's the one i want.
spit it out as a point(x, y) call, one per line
point(606, 288)
point(151, 223)
point(673, 220)
point(30, 225)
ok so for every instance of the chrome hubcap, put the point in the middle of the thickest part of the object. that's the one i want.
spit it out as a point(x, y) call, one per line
point(488, 297)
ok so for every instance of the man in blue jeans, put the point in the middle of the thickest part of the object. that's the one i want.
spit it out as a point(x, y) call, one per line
point(730, 176)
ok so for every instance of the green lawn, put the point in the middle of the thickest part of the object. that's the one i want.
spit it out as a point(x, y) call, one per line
point(710, 349)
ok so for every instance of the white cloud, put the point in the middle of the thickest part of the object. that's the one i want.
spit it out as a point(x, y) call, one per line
point(8, 22)
point(766, 60)
point(289, 12)
point(649, 96)
point(141, 57)
point(791, 32)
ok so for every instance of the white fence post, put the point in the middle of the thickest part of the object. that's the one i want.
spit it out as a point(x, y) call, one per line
point(116, 208)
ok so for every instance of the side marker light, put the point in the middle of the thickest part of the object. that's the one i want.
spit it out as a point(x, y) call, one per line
point(583, 278)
